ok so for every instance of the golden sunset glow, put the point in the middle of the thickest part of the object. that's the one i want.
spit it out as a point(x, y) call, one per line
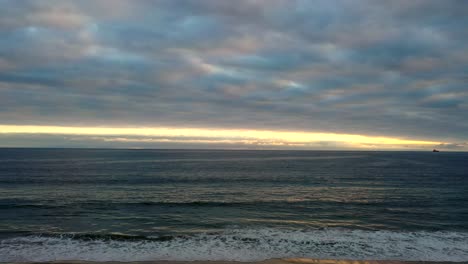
point(206, 135)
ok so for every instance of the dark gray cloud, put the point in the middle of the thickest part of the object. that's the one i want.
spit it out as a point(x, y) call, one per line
point(394, 68)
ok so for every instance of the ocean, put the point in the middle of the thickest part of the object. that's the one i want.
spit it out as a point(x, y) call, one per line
point(134, 205)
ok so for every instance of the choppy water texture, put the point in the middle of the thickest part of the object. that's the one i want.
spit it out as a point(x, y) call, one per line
point(58, 204)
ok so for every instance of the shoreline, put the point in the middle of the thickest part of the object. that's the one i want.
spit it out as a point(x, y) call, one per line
point(268, 261)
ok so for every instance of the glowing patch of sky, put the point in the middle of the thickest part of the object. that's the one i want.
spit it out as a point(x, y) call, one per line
point(215, 135)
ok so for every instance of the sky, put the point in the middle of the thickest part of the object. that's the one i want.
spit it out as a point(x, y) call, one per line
point(244, 74)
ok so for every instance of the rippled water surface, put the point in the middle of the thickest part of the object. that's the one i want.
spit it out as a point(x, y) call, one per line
point(238, 205)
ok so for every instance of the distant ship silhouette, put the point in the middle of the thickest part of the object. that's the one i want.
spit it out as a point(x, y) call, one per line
point(435, 150)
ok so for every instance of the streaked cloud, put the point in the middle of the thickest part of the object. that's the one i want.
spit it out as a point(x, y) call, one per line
point(393, 70)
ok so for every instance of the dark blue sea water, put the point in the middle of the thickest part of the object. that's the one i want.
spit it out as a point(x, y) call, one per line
point(92, 204)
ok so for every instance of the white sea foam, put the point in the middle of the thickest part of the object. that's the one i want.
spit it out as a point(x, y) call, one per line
point(248, 245)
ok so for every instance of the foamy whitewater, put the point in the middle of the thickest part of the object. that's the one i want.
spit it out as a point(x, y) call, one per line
point(247, 245)
point(142, 205)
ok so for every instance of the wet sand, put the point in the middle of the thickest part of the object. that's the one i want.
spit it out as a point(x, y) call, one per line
point(270, 261)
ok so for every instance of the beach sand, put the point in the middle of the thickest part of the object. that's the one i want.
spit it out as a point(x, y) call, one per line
point(270, 261)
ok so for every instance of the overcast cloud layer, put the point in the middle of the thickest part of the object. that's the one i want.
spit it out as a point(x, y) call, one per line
point(383, 68)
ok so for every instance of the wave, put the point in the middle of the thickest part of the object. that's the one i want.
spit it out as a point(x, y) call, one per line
point(141, 203)
point(196, 203)
point(242, 245)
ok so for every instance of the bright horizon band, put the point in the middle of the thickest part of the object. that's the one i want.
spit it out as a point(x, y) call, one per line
point(215, 135)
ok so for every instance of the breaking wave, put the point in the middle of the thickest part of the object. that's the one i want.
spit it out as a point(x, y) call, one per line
point(242, 245)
